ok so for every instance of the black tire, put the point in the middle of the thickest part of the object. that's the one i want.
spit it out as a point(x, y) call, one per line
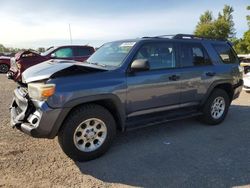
point(4, 68)
point(72, 122)
point(207, 108)
point(247, 91)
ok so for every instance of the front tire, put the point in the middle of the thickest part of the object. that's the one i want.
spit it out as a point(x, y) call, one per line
point(216, 107)
point(87, 133)
point(4, 68)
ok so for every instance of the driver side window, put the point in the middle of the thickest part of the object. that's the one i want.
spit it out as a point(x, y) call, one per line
point(64, 53)
point(159, 55)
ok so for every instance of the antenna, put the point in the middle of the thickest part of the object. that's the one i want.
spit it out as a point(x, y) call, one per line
point(70, 36)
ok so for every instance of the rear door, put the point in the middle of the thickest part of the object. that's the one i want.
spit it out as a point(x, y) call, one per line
point(197, 72)
point(158, 87)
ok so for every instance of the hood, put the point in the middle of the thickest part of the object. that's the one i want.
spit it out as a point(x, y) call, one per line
point(26, 53)
point(58, 68)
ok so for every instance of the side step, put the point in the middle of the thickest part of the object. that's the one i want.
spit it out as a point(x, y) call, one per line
point(153, 119)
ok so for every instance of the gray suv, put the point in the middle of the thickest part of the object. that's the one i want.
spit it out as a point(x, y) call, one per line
point(123, 85)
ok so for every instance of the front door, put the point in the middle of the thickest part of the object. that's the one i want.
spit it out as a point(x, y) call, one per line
point(155, 88)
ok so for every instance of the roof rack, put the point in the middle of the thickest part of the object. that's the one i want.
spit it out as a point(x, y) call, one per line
point(188, 36)
point(185, 36)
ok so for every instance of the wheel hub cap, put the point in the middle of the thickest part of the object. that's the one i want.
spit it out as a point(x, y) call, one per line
point(90, 134)
point(218, 107)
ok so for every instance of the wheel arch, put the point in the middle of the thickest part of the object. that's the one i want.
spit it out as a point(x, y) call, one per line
point(111, 102)
point(226, 86)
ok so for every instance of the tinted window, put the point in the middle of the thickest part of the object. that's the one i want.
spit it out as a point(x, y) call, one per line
point(159, 55)
point(226, 53)
point(193, 55)
point(83, 51)
point(64, 53)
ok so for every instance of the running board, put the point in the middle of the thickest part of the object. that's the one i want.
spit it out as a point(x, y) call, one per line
point(141, 122)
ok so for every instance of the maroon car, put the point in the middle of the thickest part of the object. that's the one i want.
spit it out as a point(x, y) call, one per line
point(26, 59)
point(4, 64)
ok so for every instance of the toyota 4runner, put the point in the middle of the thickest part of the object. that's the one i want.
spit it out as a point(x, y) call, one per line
point(123, 85)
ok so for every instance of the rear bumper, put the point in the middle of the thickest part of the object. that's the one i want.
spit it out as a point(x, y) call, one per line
point(34, 118)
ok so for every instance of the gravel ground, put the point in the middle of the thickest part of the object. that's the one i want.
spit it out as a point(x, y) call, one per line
point(178, 154)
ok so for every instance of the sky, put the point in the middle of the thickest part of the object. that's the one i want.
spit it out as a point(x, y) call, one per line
point(44, 23)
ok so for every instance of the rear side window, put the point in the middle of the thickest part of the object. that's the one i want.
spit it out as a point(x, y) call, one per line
point(193, 55)
point(83, 51)
point(226, 53)
point(159, 55)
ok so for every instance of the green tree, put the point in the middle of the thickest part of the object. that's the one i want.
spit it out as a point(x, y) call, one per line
point(2, 48)
point(41, 49)
point(242, 45)
point(221, 27)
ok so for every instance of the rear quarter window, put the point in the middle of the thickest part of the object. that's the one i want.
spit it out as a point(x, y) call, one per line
point(226, 53)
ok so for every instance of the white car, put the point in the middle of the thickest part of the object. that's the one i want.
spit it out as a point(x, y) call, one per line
point(246, 79)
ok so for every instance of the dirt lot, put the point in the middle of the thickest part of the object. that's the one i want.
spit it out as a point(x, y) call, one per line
point(177, 154)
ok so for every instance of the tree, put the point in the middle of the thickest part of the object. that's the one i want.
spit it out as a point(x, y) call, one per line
point(222, 27)
point(243, 45)
point(41, 49)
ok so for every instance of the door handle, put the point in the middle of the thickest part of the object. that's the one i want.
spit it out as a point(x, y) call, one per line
point(174, 77)
point(210, 73)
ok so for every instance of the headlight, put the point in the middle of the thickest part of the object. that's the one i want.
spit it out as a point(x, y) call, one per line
point(41, 91)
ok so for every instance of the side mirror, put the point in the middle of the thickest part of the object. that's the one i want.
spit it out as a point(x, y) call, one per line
point(140, 65)
point(53, 55)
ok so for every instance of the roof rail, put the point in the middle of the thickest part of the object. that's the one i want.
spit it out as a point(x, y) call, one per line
point(188, 36)
point(185, 36)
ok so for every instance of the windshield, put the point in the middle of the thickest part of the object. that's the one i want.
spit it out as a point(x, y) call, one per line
point(49, 50)
point(111, 54)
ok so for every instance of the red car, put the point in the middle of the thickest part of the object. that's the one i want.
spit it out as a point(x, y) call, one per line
point(26, 59)
point(4, 64)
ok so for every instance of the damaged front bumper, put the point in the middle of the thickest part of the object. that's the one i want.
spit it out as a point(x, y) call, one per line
point(34, 118)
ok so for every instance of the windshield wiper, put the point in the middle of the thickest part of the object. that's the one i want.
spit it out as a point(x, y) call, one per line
point(98, 64)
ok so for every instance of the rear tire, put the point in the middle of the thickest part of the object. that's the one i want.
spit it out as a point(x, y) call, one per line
point(87, 133)
point(216, 107)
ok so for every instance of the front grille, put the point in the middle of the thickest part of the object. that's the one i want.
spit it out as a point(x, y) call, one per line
point(23, 91)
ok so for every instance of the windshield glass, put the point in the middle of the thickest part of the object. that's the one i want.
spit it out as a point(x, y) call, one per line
point(49, 50)
point(111, 54)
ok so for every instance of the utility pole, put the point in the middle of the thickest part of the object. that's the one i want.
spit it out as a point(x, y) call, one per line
point(70, 34)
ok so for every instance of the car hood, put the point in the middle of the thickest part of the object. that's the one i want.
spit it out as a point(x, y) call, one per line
point(26, 53)
point(58, 68)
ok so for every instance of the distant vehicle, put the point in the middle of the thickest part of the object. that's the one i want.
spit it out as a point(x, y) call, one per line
point(26, 59)
point(245, 62)
point(123, 85)
point(246, 86)
point(4, 64)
